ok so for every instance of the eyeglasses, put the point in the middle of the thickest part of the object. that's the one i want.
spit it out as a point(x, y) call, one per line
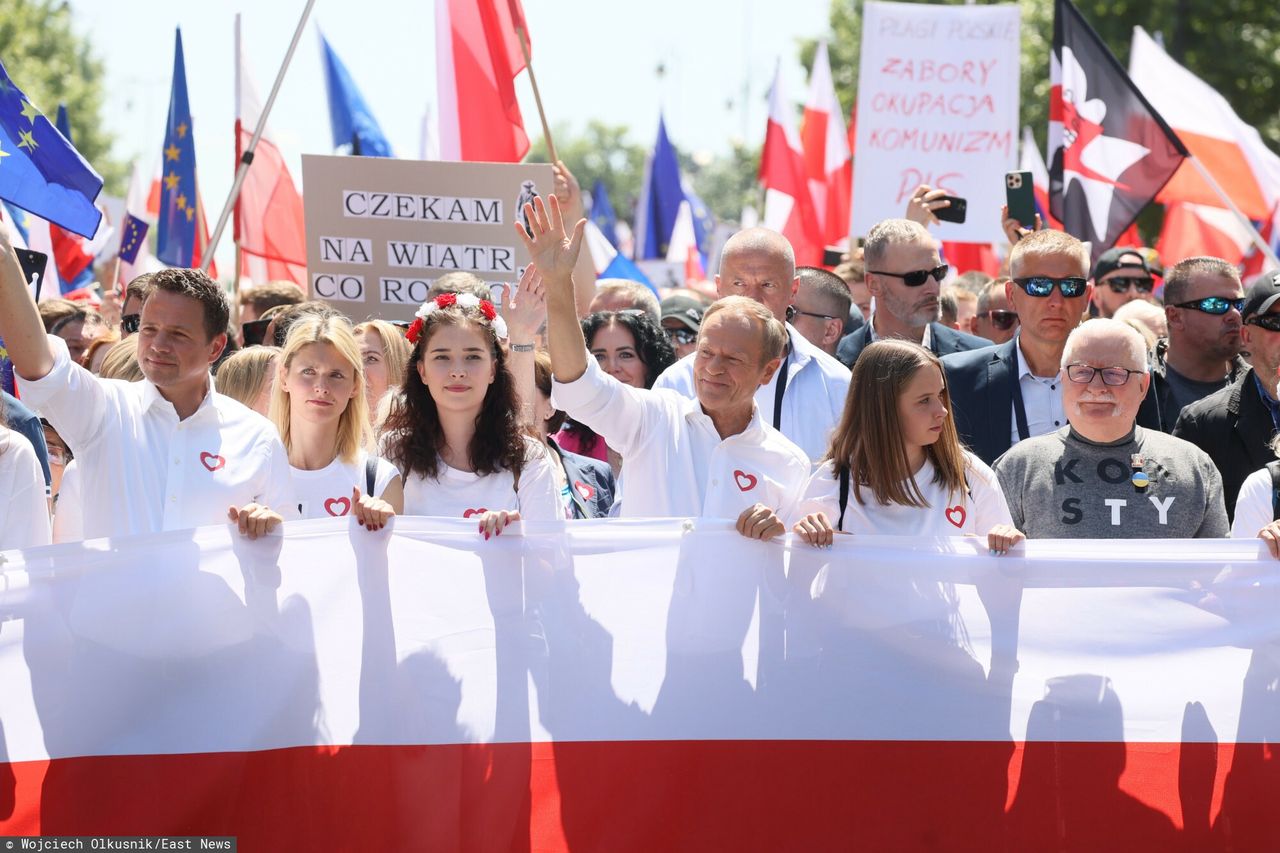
point(1217, 305)
point(1041, 286)
point(1084, 374)
point(1002, 320)
point(798, 313)
point(681, 336)
point(915, 278)
point(1122, 285)
point(1270, 322)
point(130, 323)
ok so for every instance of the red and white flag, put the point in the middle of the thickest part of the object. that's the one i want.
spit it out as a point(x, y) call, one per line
point(1201, 230)
point(788, 202)
point(269, 223)
point(478, 55)
point(828, 162)
point(1255, 262)
point(1110, 151)
point(640, 686)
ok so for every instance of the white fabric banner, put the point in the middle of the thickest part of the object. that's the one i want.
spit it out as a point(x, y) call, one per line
point(937, 105)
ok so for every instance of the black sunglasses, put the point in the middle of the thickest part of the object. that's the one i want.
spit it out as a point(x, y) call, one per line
point(793, 311)
point(130, 323)
point(915, 278)
point(1217, 305)
point(1122, 285)
point(1042, 285)
point(1270, 322)
point(681, 336)
point(1002, 320)
point(1084, 374)
point(254, 331)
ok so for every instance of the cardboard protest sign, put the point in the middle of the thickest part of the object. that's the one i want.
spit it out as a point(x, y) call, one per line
point(380, 231)
point(937, 105)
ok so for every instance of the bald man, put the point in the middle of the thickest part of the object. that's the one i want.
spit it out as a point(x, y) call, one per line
point(806, 398)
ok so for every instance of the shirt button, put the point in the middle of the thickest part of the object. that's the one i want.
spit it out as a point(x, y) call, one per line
point(1057, 423)
point(1053, 387)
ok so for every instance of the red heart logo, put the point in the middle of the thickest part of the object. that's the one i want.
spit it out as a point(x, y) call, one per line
point(746, 482)
point(956, 515)
point(584, 489)
point(342, 505)
point(472, 512)
point(212, 461)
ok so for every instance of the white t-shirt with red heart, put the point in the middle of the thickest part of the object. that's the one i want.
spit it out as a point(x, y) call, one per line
point(326, 493)
point(464, 494)
point(946, 515)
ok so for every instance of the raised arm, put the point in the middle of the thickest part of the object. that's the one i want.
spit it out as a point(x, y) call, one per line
point(554, 253)
point(524, 307)
point(569, 193)
point(20, 324)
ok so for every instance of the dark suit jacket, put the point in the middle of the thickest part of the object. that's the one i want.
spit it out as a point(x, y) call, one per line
point(591, 483)
point(1234, 427)
point(981, 384)
point(943, 341)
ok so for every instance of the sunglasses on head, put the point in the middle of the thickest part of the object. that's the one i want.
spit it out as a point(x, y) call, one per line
point(1002, 320)
point(915, 278)
point(1042, 285)
point(1123, 284)
point(130, 323)
point(1270, 322)
point(1218, 305)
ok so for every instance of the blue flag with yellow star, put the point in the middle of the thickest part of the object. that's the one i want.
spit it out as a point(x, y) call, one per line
point(40, 171)
point(176, 241)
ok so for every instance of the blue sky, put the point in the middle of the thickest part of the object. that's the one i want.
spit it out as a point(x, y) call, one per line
point(593, 60)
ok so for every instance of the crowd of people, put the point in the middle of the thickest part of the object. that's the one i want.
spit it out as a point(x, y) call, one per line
point(1063, 399)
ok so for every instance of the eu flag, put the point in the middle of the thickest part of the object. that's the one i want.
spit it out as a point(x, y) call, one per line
point(660, 199)
point(135, 233)
point(40, 171)
point(602, 213)
point(176, 241)
point(349, 116)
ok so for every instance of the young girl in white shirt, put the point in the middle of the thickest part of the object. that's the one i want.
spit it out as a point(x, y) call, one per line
point(318, 405)
point(896, 466)
point(454, 430)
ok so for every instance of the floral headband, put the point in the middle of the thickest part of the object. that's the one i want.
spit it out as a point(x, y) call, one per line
point(461, 300)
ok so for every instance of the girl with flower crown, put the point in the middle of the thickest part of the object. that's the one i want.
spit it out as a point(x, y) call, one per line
point(454, 431)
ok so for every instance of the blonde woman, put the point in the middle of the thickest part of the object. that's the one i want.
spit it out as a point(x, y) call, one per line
point(121, 361)
point(249, 376)
point(384, 353)
point(896, 466)
point(320, 409)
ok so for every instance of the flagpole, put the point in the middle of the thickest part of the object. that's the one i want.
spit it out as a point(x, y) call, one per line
point(247, 157)
point(523, 38)
point(1260, 243)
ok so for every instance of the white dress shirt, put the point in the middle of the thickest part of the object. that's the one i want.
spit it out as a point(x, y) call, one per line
point(812, 401)
point(24, 510)
point(676, 464)
point(1042, 399)
point(142, 469)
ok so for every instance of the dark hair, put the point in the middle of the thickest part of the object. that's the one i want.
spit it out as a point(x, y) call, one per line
point(270, 294)
point(197, 285)
point(415, 437)
point(140, 288)
point(293, 313)
point(652, 346)
point(1177, 279)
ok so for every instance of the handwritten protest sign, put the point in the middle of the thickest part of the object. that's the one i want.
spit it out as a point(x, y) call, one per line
point(380, 231)
point(937, 105)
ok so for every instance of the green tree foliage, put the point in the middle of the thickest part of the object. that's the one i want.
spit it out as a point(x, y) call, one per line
point(53, 64)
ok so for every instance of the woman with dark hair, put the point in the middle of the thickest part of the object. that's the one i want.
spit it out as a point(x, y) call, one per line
point(24, 512)
point(896, 466)
point(454, 430)
point(631, 348)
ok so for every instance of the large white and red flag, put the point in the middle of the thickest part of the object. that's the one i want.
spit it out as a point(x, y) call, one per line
point(640, 686)
point(828, 162)
point(1201, 230)
point(269, 223)
point(478, 55)
point(788, 202)
point(1110, 152)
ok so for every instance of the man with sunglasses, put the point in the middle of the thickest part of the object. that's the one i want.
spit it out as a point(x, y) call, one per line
point(135, 294)
point(821, 308)
point(996, 320)
point(1120, 275)
point(1103, 476)
point(1235, 425)
point(904, 274)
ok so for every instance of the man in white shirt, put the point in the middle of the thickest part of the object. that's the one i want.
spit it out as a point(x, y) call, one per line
point(805, 399)
point(166, 453)
point(712, 456)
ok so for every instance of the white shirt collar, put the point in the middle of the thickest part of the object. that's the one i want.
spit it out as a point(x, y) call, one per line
point(1024, 369)
point(151, 396)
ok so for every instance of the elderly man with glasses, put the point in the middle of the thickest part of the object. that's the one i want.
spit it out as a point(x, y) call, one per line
point(904, 274)
point(1103, 476)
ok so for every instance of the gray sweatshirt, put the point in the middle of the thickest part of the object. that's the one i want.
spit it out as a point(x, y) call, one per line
point(1063, 486)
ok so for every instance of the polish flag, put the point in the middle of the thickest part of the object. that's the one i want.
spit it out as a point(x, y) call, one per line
point(269, 225)
point(828, 162)
point(1255, 263)
point(788, 203)
point(641, 685)
point(1201, 230)
point(1230, 149)
point(478, 56)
